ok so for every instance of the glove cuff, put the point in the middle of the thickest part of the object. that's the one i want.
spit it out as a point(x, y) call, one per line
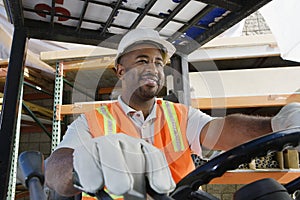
point(275, 125)
point(287, 117)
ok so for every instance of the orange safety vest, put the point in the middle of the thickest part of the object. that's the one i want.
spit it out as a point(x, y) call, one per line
point(85, 196)
point(169, 131)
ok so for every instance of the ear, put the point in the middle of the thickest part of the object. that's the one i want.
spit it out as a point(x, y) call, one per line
point(120, 71)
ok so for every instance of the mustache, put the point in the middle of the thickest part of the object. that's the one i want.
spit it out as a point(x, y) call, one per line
point(150, 76)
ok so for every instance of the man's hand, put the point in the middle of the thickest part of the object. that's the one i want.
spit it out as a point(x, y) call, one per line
point(121, 163)
point(287, 117)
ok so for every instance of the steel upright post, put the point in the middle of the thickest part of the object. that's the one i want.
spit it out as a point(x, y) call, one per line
point(8, 118)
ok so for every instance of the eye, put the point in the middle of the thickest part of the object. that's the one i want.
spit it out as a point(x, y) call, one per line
point(142, 61)
point(159, 64)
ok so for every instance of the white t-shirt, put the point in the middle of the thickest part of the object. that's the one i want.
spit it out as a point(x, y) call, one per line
point(78, 131)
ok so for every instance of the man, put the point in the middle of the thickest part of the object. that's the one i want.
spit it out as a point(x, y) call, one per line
point(175, 129)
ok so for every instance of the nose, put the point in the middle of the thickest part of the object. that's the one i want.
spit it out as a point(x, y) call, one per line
point(151, 67)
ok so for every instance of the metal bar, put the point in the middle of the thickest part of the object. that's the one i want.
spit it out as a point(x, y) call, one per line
point(36, 119)
point(38, 30)
point(10, 105)
point(58, 92)
point(52, 12)
point(181, 84)
point(13, 168)
point(231, 5)
point(15, 13)
point(191, 22)
point(143, 14)
point(186, 80)
point(86, 2)
point(186, 44)
point(8, 11)
point(197, 18)
point(37, 88)
point(172, 14)
point(111, 17)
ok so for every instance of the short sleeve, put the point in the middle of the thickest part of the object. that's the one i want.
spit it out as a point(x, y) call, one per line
point(196, 121)
point(76, 134)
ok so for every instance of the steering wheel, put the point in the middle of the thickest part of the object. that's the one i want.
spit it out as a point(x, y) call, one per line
point(231, 159)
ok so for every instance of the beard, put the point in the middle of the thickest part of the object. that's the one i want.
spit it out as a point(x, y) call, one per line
point(147, 93)
point(150, 85)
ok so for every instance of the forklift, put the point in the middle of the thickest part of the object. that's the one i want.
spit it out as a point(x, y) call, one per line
point(186, 24)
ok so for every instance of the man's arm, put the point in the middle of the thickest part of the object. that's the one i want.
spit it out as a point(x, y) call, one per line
point(233, 130)
point(58, 173)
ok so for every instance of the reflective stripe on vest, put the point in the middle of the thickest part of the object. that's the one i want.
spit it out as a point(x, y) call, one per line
point(85, 196)
point(109, 121)
point(173, 124)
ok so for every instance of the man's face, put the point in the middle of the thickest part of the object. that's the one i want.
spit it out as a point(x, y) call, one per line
point(141, 71)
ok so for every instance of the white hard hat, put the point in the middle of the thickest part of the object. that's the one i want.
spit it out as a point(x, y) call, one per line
point(143, 35)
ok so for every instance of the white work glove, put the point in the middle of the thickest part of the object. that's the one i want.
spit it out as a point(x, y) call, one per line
point(288, 117)
point(121, 163)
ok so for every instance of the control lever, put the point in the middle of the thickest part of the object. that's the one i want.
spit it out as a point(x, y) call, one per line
point(32, 167)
